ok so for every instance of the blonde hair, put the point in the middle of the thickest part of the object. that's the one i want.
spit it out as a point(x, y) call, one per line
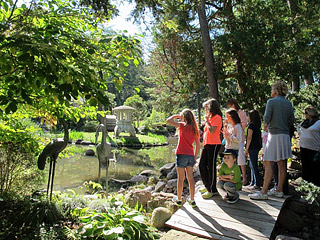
point(312, 111)
point(189, 119)
point(280, 88)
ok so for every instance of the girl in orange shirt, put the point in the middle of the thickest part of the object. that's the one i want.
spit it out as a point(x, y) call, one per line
point(211, 147)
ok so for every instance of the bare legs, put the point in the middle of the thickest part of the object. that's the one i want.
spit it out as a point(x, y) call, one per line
point(181, 177)
point(268, 167)
point(244, 174)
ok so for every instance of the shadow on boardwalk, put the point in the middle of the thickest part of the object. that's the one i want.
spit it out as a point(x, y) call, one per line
point(216, 219)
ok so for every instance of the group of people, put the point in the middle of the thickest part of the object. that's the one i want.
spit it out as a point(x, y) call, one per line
point(230, 132)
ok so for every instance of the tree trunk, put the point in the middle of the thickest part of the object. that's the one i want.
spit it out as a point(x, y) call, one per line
point(295, 84)
point(309, 79)
point(208, 53)
point(199, 106)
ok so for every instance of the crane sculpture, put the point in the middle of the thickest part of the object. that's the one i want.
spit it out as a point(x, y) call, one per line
point(52, 151)
point(103, 151)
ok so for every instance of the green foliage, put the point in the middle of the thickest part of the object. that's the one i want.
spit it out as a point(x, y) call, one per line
point(305, 97)
point(117, 221)
point(310, 192)
point(55, 53)
point(73, 135)
point(90, 126)
point(138, 103)
point(19, 147)
point(155, 118)
point(93, 187)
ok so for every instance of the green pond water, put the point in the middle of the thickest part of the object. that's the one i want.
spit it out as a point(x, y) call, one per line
point(73, 171)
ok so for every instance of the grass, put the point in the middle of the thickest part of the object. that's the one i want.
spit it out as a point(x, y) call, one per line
point(123, 139)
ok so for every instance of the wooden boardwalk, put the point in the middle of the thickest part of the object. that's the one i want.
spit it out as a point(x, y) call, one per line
point(216, 219)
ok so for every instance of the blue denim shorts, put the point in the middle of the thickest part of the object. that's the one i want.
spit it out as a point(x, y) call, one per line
point(183, 161)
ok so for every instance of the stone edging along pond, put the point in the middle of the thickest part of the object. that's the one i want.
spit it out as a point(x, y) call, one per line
point(129, 145)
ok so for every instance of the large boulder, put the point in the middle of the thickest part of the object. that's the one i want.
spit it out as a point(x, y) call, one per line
point(172, 174)
point(138, 179)
point(139, 196)
point(162, 200)
point(166, 169)
point(159, 186)
point(148, 173)
point(159, 217)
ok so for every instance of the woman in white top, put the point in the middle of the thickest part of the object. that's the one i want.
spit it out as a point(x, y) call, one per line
point(232, 132)
point(309, 131)
point(241, 160)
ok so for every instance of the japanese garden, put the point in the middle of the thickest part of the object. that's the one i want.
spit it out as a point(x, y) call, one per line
point(95, 122)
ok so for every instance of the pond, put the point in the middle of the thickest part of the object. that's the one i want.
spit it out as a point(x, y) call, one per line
point(71, 172)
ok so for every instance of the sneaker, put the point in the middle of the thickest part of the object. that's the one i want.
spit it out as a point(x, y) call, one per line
point(258, 196)
point(207, 195)
point(275, 194)
point(252, 187)
point(203, 190)
point(192, 203)
point(225, 197)
point(232, 199)
point(177, 201)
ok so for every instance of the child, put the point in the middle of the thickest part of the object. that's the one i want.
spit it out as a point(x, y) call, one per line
point(186, 154)
point(211, 147)
point(253, 146)
point(229, 178)
point(232, 132)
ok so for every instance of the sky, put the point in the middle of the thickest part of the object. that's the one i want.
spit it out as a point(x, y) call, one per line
point(122, 22)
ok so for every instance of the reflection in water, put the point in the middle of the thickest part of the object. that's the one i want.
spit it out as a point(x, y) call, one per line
point(72, 172)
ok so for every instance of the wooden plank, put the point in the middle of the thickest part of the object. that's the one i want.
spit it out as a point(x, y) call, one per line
point(246, 202)
point(220, 225)
point(213, 228)
point(237, 217)
point(216, 219)
point(199, 232)
point(241, 205)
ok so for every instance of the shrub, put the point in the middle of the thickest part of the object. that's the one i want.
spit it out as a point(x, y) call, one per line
point(310, 192)
point(90, 126)
point(18, 150)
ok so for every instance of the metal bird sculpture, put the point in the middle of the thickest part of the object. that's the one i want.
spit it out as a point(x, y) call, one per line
point(103, 151)
point(52, 151)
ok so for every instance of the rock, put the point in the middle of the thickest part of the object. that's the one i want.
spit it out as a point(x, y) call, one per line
point(196, 173)
point(159, 217)
point(78, 141)
point(172, 174)
point(295, 165)
point(172, 183)
point(297, 207)
point(89, 152)
point(160, 186)
point(147, 173)
point(86, 143)
point(149, 188)
point(166, 169)
point(283, 237)
point(153, 180)
point(290, 220)
point(159, 200)
point(138, 179)
point(139, 196)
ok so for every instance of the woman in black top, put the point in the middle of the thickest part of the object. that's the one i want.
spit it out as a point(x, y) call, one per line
point(253, 146)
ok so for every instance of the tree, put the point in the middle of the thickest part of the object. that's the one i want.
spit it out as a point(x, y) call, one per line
point(184, 14)
point(51, 54)
point(138, 103)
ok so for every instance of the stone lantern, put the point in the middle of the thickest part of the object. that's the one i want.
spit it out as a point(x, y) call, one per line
point(124, 120)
